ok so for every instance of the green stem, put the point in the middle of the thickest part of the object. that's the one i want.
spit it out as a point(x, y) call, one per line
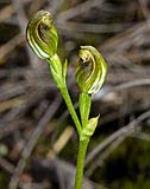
point(85, 107)
point(68, 101)
point(83, 144)
point(57, 73)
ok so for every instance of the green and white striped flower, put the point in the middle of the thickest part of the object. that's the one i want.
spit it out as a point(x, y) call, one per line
point(42, 35)
point(91, 70)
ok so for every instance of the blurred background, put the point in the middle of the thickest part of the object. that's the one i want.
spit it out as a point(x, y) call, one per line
point(38, 143)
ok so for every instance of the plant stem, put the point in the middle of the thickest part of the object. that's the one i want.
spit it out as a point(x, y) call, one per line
point(68, 101)
point(57, 73)
point(83, 144)
point(84, 107)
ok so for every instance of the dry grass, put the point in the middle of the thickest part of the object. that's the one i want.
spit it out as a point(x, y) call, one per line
point(30, 103)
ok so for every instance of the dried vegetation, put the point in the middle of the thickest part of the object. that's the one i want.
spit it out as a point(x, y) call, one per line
point(37, 149)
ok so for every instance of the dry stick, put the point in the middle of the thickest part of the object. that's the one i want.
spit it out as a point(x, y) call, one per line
point(12, 92)
point(22, 21)
point(10, 45)
point(78, 10)
point(124, 40)
point(60, 142)
point(54, 6)
point(10, 127)
point(32, 142)
point(35, 185)
point(144, 55)
point(11, 103)
point(99, 160)
point(63, 169)
point(93, 28)
point(145, 10)
point(128, 58)
point(18, 5)
point(6, 12)
point(64, 17)
point(138, 82)
point(141, 136)
point(13, 73)
point(115, 135)
point(123, 132)
point(7, 166)
point(130, 84)
point(35, 6)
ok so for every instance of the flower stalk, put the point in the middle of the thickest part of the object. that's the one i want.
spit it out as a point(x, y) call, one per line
point(83, 145)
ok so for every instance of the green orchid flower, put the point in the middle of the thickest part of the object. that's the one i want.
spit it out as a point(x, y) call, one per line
point(91, 70)
point(42, 35)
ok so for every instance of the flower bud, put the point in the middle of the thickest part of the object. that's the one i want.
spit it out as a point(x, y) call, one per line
point(91, 70)
point(42, 35)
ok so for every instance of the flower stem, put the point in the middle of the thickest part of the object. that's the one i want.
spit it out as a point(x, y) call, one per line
point(68, 101)
point(84, 107)
point(57, 73)
point(83, 144)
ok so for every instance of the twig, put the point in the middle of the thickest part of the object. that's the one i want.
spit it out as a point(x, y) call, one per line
point(35, 6)
point(78, 10)
point(16, 102)
point(123, 132)
point(144, 7)
point(63, 18)
point(10, 45)
point(130, 84)
point(7, 128)
point(92, 28)
point(124, 40)
point(12, 92)
point(7, 166)
point(23, 23)
point(61, 142)
point(56, 166)
point(32, 142)
point(142, 136)
point(136, 83)
point(54, 6)
point(6, 12)
point(99, 161)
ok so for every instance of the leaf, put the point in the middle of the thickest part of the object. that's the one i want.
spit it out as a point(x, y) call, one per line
point(89, 130)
